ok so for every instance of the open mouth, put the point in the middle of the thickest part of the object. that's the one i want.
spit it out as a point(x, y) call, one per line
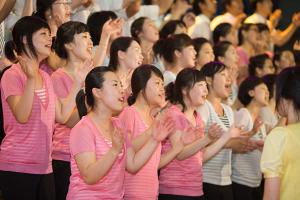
point(121, 99)
point(162, 96)
point(228, 86)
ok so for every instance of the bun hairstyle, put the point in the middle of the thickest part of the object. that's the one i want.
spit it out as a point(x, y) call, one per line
point(65, 35)
point(185, 80)
point(257, 62)
point(119, 44)
point(288, 87)
point(139, 80)
point(247, 85)
point(94, 79)
point(24, 28)
point(170, 27)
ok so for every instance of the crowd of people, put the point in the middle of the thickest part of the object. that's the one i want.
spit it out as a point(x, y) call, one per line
point(146, 100)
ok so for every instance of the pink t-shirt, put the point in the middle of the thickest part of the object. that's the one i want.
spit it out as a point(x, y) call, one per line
point(243, 57)
point(85, 137)
point(27, 147)
point(62, 84)
point(46, 68)
point(182, 177)
point(144, 184)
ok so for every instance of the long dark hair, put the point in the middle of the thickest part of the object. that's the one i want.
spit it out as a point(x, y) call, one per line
point(139, 79)
point(185, 79)
point(94, 79)
point(288, 87)
point(25, 27)
point(65, 34)
point(119, 44)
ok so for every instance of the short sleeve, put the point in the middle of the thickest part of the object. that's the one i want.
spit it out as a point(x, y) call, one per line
point(241, 118)
point(203, 112)
point(151, 11)
point(60, 85)
point(126, 121)
point(82, 140)
point(12, 84)
point(271, 159)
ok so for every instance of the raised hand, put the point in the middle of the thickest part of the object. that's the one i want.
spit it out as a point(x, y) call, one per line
point(275, 17)
point(87, 3)
point(296, 46)
point(161, 129)
point(239, 20)
point(112, 26)
point(296, 19)
point(30, 66)
point(117, 140)
point(214, 131)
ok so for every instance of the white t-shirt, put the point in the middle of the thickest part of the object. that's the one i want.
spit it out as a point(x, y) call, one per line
point(268, 117)
point(246, 167)
point(82, 13)
point(169, 77)
point(225, 18)
point(16, 13)
point(150, 11)
point(217, 170)
point(201, 28)
point(256, 18)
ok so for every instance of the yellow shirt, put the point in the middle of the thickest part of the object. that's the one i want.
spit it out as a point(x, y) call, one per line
point(281, 158)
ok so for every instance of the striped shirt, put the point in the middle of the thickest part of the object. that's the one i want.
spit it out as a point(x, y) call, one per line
point(182, 177)
point(41, 94)
point(142, 185)
point(62, 84)
point(246, 167)
point(217, 170)
point(85, 137)
point(27, 147)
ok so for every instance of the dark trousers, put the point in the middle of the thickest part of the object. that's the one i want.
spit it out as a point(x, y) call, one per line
point(217, 192)
point(20, 186)
point(62, 173)
point(243, 192)
point(178, 197)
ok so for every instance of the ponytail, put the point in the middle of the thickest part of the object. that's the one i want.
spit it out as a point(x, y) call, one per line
point(80, 103)
point(170, 92)
point(131, 99)
point(9, 51)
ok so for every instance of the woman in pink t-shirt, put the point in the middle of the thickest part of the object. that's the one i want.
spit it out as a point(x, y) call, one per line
point(73, 44)
point(182, 178)
point(97, 150)
point(30, 109)
point(144, 133)
point(125, 56)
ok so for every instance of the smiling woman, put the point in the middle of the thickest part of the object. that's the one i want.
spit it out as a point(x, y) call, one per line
point(55, 12)
point(73, 43)
point(30, 110)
